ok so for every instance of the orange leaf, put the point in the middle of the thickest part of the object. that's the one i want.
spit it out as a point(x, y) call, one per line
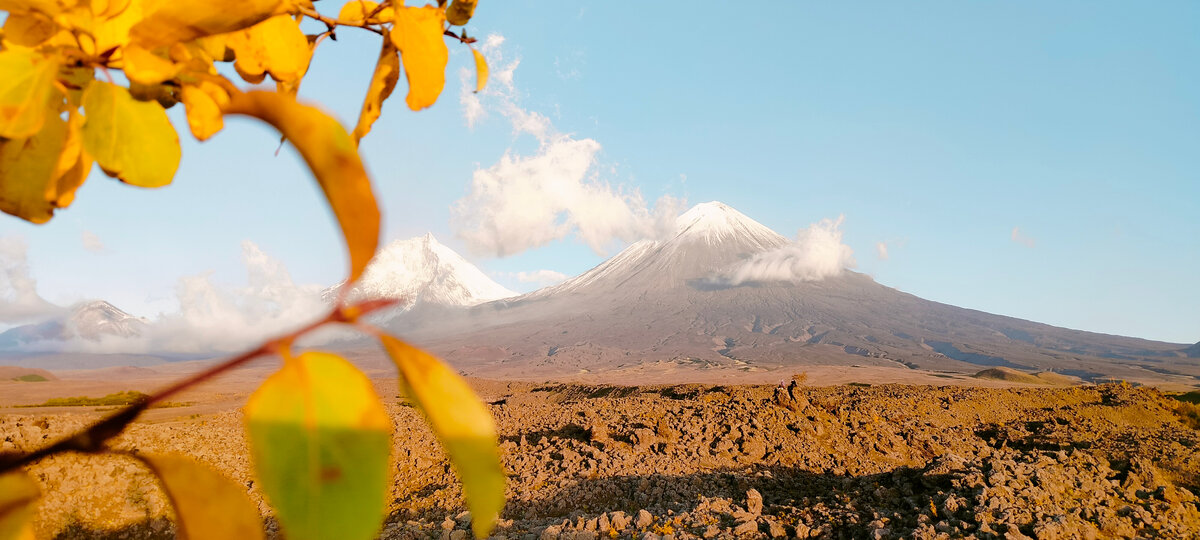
point(481, 71)
point(383, 81)
point(18, 505)
point(332, 158)
point(207, 504)
point(417, 32)
point(184, 20)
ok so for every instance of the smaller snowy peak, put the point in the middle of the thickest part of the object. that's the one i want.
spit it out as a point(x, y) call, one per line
point(95, 319)
point(716, 222)
point(421, 270)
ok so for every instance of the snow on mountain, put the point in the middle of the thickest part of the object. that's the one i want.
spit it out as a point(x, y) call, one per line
point(91, 321)
point(421, 270)
point(668, 306)
point(707, 239)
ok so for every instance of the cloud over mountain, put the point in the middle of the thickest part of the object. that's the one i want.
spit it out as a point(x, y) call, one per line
point(817, 253)
point(526, 201)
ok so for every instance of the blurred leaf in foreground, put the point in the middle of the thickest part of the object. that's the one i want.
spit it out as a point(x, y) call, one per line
point(207, 504)
point(18, 493)
point(332, 157)
point(461, 422)
point(320, 441)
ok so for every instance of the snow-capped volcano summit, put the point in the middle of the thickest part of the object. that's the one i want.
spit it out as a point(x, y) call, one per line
point(708, 238)
point(715, 222)
point(421, 270)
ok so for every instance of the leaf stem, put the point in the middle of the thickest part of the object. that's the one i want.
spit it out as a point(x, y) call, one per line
point(94, 437)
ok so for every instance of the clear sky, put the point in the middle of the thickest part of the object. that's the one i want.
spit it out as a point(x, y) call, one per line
point(1033, 159)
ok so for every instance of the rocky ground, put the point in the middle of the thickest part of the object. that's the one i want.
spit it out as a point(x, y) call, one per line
point(698, 461)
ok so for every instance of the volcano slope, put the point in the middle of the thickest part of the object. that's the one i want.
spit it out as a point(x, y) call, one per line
point(696, 461)
point(668, 311)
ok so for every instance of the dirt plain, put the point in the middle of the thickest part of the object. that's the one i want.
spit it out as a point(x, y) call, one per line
point(705, 461)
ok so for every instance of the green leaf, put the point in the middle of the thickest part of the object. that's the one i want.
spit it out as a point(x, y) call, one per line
point(207, 504)
point(320, 441)
point(460, 11)
point(332, 157)
point(461, 422)
point(26, 84)
point(18, 493)
point(131, 140)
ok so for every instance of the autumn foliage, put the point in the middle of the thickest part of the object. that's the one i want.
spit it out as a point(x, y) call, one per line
point(87, 82)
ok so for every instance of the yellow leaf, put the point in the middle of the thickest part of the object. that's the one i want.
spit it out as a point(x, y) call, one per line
point(461, 422)
point(109, 8)
point(176, 21)
point(332, 157)
point(252, 78)
point(275, 46)
point(207, 504)
point(356, 11)
point(26, 86)
point(320, 441)
point(112, 30)
point(28, 29)
point(26, 6)
point(460, 11)
point(131, 140)
point(215, 47)
point(18, 498)
point(383, 81)
point(417, 33)
point(145, 67)
point(29, 170)
point(203, 104)
point(481, 71)
point(73, 164)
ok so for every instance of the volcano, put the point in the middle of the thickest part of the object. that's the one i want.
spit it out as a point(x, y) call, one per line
point(670, 302)
point(420, 271)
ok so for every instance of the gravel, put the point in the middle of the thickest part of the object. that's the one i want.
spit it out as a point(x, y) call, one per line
point(693, 461)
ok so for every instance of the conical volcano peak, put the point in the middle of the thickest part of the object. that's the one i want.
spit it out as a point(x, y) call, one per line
point(716, 222)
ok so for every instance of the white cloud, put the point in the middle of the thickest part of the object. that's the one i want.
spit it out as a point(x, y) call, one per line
point(541, 277)
point(221, 318)
point(817, 253)
point(526, 201)
point(19, 300)
point(881, 251)
point(1020, 238)
point(92, 242)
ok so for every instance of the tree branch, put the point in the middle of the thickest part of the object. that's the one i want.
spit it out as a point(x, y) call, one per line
point(333, 23)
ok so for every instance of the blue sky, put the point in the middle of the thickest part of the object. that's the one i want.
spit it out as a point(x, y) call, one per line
point(1039, 160)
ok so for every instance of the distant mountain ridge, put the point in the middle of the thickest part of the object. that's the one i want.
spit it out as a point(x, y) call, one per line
point(420, 271)
point(90, 321)
point(662, 301)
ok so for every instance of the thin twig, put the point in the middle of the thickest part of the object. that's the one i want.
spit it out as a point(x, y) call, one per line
point(334, 23)
point(94, 438)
